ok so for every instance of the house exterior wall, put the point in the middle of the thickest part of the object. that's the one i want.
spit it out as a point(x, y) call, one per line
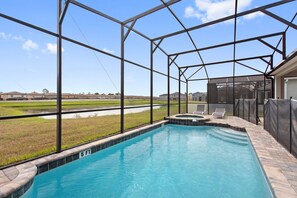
point(163, 97)
point(173, 96)
point(278, 87)
point(199, 96)
point(190, 97)
point(13, 96)
point(287, 69)
point(291, 88)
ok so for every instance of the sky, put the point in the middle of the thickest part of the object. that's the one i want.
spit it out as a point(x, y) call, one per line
point(28, 57)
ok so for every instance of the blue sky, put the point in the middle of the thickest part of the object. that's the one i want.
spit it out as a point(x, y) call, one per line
point(28, 57)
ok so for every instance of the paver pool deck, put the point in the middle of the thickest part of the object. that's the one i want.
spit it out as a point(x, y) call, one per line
point(278, 164)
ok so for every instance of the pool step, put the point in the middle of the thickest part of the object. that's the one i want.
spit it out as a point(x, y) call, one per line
point(229, 135)
point(234, 141)
point(229, 138)
point(232, 132)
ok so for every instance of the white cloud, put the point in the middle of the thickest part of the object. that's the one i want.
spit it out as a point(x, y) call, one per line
point(253, 15)
point(108, 51)
point(52, 48)
point(209, 10)
point(5, 36)
point(18, 38)
point(191, 12)
point(30, 45)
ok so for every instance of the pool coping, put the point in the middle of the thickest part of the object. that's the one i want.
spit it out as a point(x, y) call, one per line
point(278, 165)
point(198, 119)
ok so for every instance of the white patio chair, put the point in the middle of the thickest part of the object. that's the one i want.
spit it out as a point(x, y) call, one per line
point(200, 110)
point(219, 113)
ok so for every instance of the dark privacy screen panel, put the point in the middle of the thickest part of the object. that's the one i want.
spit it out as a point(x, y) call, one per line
point(281, 122)
point(236, 107)
point(284, 123)
point(253, 113)
point(294, 127)
point(266, 116)
point(241, 108)
point(247, 110)
point(220, 90)
point(273, 118)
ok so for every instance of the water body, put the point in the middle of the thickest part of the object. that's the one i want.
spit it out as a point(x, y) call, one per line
point(100, 113)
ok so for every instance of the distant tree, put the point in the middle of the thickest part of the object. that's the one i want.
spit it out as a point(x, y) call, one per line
point(117, 94)
point(110, 94)
point(45, 91)
point(96, 93)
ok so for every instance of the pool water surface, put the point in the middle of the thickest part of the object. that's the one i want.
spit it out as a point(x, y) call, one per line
point(171, 161)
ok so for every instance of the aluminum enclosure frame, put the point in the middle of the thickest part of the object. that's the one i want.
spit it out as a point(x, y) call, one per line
point(154, 45)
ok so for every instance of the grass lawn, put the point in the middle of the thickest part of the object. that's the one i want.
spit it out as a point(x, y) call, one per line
point(197, 102)
point(31, 137)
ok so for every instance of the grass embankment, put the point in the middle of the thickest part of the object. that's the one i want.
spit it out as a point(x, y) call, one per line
point(31, 137)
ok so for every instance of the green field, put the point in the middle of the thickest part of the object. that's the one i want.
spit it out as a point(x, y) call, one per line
point(31, 137)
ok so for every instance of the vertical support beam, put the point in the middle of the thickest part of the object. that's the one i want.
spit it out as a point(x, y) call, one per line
point(243, 108)
point(63, 12)
point(179, 89)
point(226, 91)
point(271, 63)
point(249, 112)
point(290, 124)
point(284, 45)
point(264, 86)
point(122, 77)
point(264, 97)
point(257, 112)
point(187, 96)
point(234, 53)
point(207, 95)
point(250, 94)
point(233, 88)
point(151, 83)
point(277, 119)
point(168, 86)
point(59, 80)
point(272, 87)
point(238, 108)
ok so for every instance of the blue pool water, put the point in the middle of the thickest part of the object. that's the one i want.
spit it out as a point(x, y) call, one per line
point(172, 161)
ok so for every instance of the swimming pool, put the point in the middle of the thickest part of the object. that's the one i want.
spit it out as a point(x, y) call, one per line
point(171, 161)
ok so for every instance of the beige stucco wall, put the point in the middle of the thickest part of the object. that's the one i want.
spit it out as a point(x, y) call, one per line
point(291, 85)
point(278, 86)
point(287, 71)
